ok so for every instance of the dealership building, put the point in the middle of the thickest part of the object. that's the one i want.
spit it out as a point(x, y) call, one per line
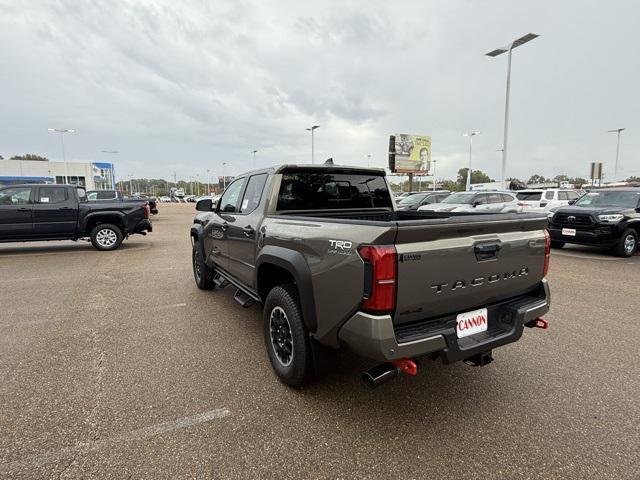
point(91, 175)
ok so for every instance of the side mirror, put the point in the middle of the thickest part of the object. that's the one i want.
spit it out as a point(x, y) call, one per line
point(475, 203)
point(204, 205)
point(571, 202)
point(544, 203)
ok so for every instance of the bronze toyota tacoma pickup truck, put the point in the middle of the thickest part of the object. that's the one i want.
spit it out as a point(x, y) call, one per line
point(335, 264)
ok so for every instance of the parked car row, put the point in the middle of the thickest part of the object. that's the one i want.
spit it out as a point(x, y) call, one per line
point(608, 218)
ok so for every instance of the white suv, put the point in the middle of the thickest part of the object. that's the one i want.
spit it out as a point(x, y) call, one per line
point(545, 200)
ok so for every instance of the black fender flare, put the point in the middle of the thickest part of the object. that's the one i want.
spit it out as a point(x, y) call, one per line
point(294, 263)
point(197, 234)
point(105, 213)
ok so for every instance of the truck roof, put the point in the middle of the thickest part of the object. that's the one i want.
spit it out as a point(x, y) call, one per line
point(319, 167)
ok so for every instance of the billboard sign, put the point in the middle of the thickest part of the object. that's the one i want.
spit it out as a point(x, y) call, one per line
point(410, 154)
point(596, 171)
point(224, 181)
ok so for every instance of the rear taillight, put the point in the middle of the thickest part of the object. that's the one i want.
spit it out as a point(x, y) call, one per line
point(380, 278)
point(147, 211)
point(520, 204)
point(547, 253)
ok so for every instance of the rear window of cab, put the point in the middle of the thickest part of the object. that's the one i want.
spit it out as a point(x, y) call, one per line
point(331, 191)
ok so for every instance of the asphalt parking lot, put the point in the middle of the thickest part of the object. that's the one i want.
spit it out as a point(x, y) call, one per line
point(113, 364)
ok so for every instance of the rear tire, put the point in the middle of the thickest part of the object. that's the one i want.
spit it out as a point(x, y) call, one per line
point(202, 273)
point(105, 237)
point(627, 244)
point(555, 244)
point(286, 337)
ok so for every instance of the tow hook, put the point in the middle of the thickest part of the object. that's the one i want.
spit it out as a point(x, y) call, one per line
point(386, 371)
point(538, 323)
point(406, 366)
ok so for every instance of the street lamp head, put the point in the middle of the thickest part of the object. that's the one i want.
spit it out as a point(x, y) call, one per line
point(254, 151)
point(516, 43)
point(61, 130)
point(617, 130)
point(471, 134)
point(312, 128)
point(496, 52)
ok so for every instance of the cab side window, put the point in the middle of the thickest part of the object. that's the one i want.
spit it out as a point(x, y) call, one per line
point(15, 196)
point(52, 195)
point(563, 195)
point(253, 193)
point(549, 194)
point(229, 200)
point(495, 198)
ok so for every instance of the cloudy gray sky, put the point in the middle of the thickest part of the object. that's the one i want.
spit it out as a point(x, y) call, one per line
point(187, 85)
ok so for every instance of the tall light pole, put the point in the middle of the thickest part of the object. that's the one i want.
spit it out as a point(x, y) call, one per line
point(62, 131)
point(619, 131)
point(470, 135)
point(311, 129)
point(433, 162)
point(130, 184)
point(253, 152)
point(208, 181)
point(224, 177)
point(368, 159)
point(494, 53)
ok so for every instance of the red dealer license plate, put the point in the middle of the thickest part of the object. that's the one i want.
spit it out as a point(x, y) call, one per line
point(470, 323)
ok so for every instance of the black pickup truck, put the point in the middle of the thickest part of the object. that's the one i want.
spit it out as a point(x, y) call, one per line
point(117, 195)
point(602, 218)
point(62, 212)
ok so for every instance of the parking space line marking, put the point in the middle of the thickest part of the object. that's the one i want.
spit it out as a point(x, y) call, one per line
point(589, 257)
point(27, 253)
point(138, 434)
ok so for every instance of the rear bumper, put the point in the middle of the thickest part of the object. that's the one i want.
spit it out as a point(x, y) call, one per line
point(376, 338)
point(143, 225)
point(602, 236)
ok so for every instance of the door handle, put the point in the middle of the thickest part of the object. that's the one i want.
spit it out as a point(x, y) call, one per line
point(224, 226)
point(248, 231)
point(24, 209)
point(65, 208)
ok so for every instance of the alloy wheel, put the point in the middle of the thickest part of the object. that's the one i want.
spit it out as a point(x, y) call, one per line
point(629, 244)
point(281, 339)
point(106, 238)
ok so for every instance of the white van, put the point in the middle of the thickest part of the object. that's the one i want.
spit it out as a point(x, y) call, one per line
point(545, 200)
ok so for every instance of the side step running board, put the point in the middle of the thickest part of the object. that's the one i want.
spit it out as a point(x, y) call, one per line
point(243, 299)
point(220, 281)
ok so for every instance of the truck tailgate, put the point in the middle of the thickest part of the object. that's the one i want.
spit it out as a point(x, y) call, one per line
point(466, 263)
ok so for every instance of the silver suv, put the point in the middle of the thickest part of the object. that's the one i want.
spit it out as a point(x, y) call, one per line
point(495, 202)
